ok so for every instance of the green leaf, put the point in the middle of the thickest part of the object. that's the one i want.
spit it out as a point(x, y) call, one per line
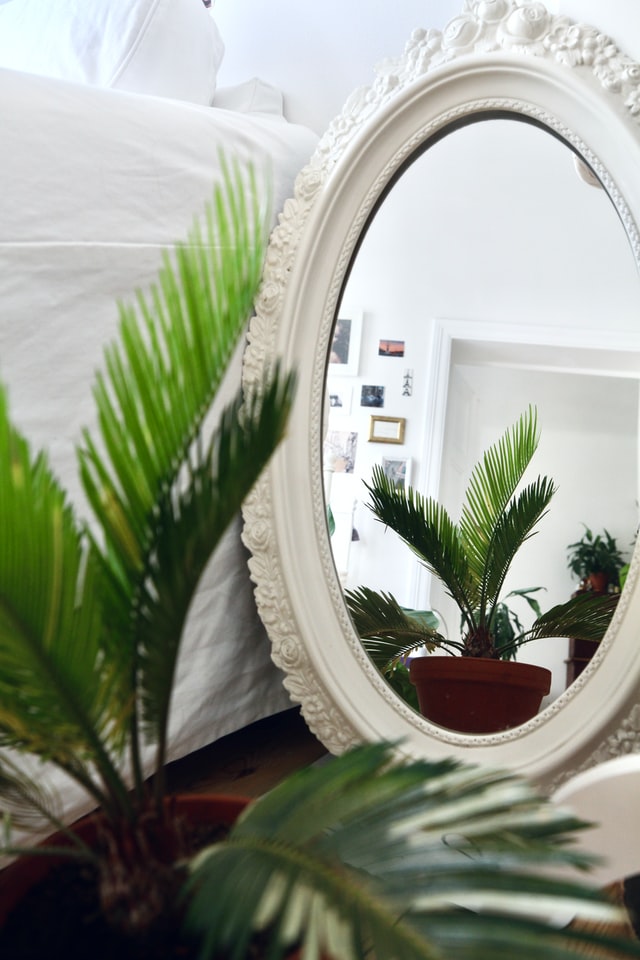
point(493, 524)
point(493, 483)
point(162, 489)
point(426, 527)
point(189, 526)
point(515, 525)
point(390, 632)
point(584, 617)
point(411, 859)
point(54, 699)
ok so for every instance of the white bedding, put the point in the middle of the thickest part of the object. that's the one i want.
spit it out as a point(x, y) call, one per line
point(94, 184)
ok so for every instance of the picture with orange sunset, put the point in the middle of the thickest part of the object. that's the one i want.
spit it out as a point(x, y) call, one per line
point(391, 348)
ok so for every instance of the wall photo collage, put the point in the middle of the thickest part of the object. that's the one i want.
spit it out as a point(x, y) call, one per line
point(346, 398)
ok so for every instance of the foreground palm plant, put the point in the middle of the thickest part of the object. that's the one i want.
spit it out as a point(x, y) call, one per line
point(362, 856)
point(91, 617)
point(471, 558)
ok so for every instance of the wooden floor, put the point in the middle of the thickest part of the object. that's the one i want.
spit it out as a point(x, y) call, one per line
point(250, 761)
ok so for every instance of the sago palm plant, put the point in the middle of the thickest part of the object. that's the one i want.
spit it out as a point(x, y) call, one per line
point(364, 856)
point(471, 558)
point(92, 615)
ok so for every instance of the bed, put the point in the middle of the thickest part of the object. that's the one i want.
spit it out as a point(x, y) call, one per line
point(99, 175)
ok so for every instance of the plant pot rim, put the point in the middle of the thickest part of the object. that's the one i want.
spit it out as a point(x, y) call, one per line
point(477, 667)
point(29, 869)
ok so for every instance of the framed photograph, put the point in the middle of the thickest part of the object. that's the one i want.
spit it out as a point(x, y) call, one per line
point(397, 469)
point(339, 398)
point(344, 356)
point(391, 348)
point(386, 429)
point(371, 396)
point(340, 450)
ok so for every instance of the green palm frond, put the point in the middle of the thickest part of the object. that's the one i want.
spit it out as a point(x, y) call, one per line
point(162, 493)
point(493, 483)
point(162, 376)
point(25, 800)
point(426, 527)
point(518, 938)
point(364, 850)
point(191, 524)
point(584, 617)
point(50, 622)
point(388, 631)
point(512, 528)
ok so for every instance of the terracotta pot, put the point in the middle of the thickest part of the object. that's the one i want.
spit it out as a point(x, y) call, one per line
point(478, 695)
point(598, 582)
point(24, 873)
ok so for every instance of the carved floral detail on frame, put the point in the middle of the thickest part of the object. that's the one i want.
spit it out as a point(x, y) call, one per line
point(495, 25)
point(624, 740)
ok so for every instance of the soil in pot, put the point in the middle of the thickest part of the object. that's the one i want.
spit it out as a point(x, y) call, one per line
point(476, 694)
point(60, 915)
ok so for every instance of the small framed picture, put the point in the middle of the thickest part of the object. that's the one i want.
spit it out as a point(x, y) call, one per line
point(386, 429)
point(340, 450)
point(391, 348)
point(344, 356)
point(371, 396)
point(397, 469)
point(339, 397)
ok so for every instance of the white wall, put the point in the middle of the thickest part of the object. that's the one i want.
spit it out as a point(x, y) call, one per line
point(318, 53)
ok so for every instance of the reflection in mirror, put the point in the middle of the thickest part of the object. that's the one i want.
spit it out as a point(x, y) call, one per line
point(491, 277)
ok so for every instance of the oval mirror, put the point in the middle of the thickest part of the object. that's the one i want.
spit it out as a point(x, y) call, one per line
point(496, 63)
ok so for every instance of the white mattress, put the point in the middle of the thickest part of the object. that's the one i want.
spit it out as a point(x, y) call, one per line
point(95, 183)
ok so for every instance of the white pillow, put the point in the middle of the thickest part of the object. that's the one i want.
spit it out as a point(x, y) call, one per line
point(166, 48)
point(252, 96)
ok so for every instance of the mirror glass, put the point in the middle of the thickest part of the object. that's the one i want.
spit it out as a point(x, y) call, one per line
point(494, 274)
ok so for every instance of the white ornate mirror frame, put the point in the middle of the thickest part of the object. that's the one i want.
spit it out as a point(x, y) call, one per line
point(498, 57)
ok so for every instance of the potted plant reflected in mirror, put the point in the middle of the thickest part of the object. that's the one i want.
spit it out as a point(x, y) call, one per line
point(472, 558)
point(596, 560)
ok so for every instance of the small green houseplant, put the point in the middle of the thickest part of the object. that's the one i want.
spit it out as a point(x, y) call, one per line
point(471, 558)
point(90, 629)
point(596, 560)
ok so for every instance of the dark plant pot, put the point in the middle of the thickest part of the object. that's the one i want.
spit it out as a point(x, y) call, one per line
point(598, 582)
point(478, 695)
point(23, 874)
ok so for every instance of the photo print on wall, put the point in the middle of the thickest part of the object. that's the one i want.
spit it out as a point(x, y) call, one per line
point(344, 356)
point(340, 450)
point(340, 398)
point(397, 469)
point(391, 348)
point(371, 396)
